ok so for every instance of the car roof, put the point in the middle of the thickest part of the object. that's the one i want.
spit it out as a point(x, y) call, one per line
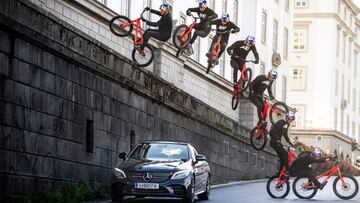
point(164, 142)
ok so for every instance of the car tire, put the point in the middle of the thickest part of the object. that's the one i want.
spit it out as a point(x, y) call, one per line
point(190, 196)
point(205, 195)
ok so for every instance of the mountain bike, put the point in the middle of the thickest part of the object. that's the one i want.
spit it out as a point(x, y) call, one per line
point(122, 26)
point(275, 111)
point(213, 58)
point(242, 84)
point(279, 186)
point(345, 186)
point(182, 35)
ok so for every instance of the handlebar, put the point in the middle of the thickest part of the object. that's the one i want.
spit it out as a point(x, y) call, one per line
point(243, 60)
point(195, 18)
point(220, 32)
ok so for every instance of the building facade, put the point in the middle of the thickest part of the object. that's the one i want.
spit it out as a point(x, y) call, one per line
point(325, 86)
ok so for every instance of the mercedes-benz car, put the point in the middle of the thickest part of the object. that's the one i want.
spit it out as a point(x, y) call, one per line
point(162, 169)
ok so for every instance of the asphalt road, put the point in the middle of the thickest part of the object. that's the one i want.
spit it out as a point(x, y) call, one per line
point(254, 192)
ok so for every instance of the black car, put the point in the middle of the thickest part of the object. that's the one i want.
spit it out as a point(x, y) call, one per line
point(162, 169)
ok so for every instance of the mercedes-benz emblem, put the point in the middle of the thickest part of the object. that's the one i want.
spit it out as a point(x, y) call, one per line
point(147, 176)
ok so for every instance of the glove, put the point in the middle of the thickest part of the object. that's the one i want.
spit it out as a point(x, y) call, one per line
point(147, 9)
point(272, 98)
point(143, 19)
point(233, 31)
point(188, 13)
point(256, 61)
point(229, 52)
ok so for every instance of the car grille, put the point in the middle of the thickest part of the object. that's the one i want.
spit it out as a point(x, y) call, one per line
point(145, 191)
point(156, 177)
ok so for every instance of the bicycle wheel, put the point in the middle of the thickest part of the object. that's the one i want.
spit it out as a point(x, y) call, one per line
point(235, 99)
point(177, 35)
point(115, 24)
point(258, 142)
point(278, 112)
point(145, 58)
point(246, 81)
point(208, 67)
point(275, 190)
point(347, 192)
point(211, 62)
point(301, 191)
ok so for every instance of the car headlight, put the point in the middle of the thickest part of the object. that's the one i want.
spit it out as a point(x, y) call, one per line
point(180, 174)
point(119, 173)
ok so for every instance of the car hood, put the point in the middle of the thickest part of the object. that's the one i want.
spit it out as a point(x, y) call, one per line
point(149, 165)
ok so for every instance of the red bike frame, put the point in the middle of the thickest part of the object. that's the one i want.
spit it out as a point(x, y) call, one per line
point(242, 78)
point(187, 33)
point(265, 116)
point(281, 180)
point(139, 40)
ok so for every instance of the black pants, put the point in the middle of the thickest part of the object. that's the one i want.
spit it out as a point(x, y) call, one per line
point(153, 33)
point(306, 172)
point(282, 154)
point(223, 44)
point(260, 105)
point(236, 67)
point(199, 31)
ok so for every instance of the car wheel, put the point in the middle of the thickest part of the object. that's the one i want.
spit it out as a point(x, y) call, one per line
point(190, 195)
point(205, 195)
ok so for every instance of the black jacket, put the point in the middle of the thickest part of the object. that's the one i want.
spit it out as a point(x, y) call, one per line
point(304, 161)
point(260, 84)
point(239, 49)
point(227, 27)
point(205, 17)
point(277, 131)
point(165, 23)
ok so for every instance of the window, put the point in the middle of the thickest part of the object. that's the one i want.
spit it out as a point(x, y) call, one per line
point(262, 68)
point(89, 136)
point(300, 116)
point(351, 19)
point(287, 6)
point(120, 6)
point(275, 34)
point(286, 43)
point(345, 13)
point(337, 41)
point(147, 3)
point(235, 11)
point(350, 54)
point(300, 41)
point(224, 6)
point(338, 7)
point(348, 98)
point(283, 89)
point(103, 1)
point(355, 64)
point(299, 78)
point(344, 47)
point(354, 101)
point(301, 3)
point(196, 46)
point(342, 86)
point(348, 125)
point(342, 121)
point(212, 4)
point(353, 129)
point(263, 27)
point(336, 82)
point(336, 119)
point(273, 88)
point(222, 65)
point(125, 7)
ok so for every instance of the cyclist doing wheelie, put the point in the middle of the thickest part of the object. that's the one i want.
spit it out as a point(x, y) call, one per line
point(279, 130)
point(257, 88)
point(300, 166)
point(202, 28)
point(223, 27)
point(238, 52)
point(165, 25)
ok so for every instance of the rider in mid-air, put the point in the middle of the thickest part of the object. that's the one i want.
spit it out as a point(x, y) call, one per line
point(238, 52)
point(165, 25)
point(257, 88)
point(279, 130)
point(222, 25)
point(300, 166)
point(203, 28)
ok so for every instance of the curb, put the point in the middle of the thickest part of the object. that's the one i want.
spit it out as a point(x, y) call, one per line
point(238, 183)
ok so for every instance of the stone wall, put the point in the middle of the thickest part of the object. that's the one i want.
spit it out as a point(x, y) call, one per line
point(59, 88)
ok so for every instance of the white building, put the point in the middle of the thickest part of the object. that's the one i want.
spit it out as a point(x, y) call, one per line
point(325, 77)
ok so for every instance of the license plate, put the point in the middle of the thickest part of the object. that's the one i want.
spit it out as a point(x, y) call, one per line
point(147, 185)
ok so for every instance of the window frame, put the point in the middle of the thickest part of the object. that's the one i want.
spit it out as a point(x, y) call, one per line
point(302, 87)
point(300, 116)
point(304, 41)
point(275, 43)
point(263, 27)
point(300, 6)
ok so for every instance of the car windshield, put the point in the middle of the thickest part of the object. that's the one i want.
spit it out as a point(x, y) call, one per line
point(161, 152)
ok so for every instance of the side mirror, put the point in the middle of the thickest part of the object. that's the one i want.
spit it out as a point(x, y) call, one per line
point(200, 157)
point(122, 155)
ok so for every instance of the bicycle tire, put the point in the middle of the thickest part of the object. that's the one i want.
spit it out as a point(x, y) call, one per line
point(246, 94)
point(271, 194)
point(253, 139)
point(278, 105)
point(235, 100)
point(148, 62)
point(346, 197)
point(125, 32)
point(176, 33)
point(297, 193)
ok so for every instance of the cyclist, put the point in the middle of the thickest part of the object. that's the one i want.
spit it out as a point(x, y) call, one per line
point(276, 133)
point(257, 88)
point(239, 51)
point(300, 166)
point(203, 28)
point(165, 25)
point(223, 24)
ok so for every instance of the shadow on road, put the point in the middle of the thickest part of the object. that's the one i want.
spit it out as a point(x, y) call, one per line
point(148, 200)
